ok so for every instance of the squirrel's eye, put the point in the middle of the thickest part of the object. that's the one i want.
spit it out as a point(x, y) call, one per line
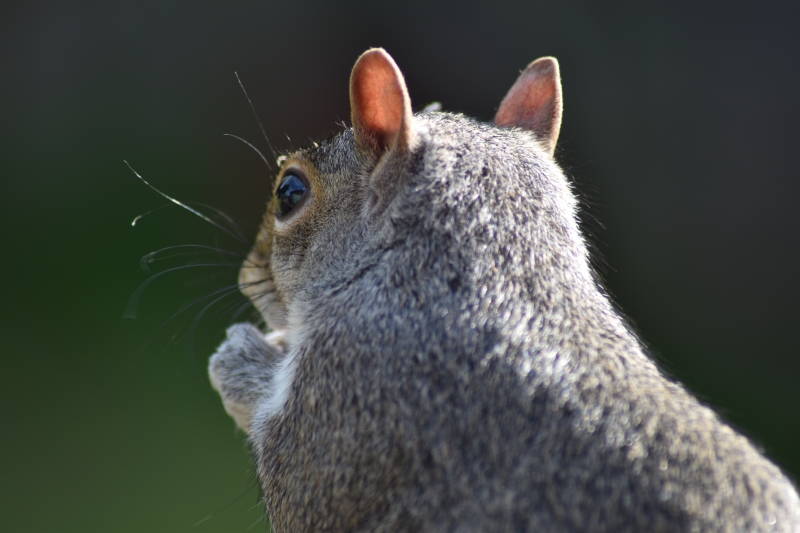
point(289, 193)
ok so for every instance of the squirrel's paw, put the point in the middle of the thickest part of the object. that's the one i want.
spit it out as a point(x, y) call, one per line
point(242, 370)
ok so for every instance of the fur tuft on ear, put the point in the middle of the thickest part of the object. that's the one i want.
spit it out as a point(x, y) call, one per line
point(379, 103)
point(534, 102)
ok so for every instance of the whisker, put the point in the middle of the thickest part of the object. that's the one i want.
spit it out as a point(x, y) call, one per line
point(198, 281)
point(251, 526)
point(133, 302)
point(257, 504)
point(254, 283)
point(218, 511)
point(199, 317)
point(139, 217)
point(256, 301)
point(235, 308)
point(208, 306)
point(249, 101)
point(202, 520)
point(251, 146)
point(152, 257)
point(242, 308)
point(230, 306)
point(232, 288)
point(233, 225)
point(227, 290)
point(281, 270)
point(203, 246)
point(191, 210)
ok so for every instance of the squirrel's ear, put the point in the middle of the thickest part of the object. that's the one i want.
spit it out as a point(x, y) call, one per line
point(534, 102)
point(379, 103)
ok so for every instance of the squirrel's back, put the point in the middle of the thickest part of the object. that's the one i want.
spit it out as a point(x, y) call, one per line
point(449, 362)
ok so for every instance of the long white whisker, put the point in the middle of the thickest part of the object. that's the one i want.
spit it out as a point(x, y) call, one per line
point(263, 132)
point(181, 204)
point(133, 302)
point(251, 146)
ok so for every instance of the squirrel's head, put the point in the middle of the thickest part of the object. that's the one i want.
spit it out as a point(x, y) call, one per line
point(332, 198)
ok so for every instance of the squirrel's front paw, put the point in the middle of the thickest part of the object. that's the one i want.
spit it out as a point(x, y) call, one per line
point(242, 369)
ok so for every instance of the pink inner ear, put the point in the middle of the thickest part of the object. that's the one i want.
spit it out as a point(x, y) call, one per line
point(378, 99)
point(526, 104)
point(534, 102)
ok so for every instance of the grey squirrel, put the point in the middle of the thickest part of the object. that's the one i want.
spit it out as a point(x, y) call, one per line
point(443, 358)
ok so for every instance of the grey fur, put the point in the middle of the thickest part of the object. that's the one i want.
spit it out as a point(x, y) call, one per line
point(458, 368)
point(242, 370)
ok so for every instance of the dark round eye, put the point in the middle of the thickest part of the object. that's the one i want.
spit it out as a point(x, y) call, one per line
point(289, 193)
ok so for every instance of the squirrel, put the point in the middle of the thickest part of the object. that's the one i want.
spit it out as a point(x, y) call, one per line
point(443, 358)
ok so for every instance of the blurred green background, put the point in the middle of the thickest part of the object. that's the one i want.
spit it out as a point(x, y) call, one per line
point(681, 127)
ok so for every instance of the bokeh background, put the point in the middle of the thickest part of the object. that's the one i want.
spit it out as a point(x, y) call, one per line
point(681, 129)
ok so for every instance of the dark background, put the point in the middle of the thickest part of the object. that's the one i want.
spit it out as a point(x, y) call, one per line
point(681, 125)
